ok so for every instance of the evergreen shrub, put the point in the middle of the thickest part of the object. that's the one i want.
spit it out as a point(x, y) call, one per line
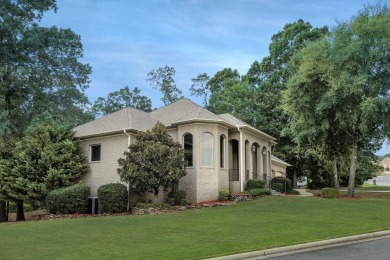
point(329, 193)
point(255, 184)
point(68, 200)
point(285, 181)
point(259, 192)
point(113, 198)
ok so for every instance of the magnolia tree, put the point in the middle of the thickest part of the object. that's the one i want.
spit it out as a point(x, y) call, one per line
point(154, 161)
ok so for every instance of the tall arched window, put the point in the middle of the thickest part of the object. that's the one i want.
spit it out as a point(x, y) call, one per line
point(206, 150)
point(222, 145)
point(188, 149)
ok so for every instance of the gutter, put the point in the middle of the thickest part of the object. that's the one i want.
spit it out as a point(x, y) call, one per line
point(241, 160)
point(128, 184)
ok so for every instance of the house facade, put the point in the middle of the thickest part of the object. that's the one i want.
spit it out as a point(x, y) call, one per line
point(385, 165)
point(222, 152)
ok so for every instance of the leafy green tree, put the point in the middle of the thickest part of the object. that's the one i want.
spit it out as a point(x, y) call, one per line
point(39, 68)
point(120, 99)
point(154, 161)
point(162, 80)
point(355, 82)
point(46, 158)
point(199, 88)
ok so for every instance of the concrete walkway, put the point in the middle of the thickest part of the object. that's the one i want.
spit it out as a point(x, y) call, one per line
point(273, 252)
point(304, 193)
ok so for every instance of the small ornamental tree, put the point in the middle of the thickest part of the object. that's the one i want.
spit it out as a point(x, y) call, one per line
point(154, 161)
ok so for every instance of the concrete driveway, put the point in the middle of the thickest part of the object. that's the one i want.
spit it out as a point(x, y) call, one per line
point(381, 180)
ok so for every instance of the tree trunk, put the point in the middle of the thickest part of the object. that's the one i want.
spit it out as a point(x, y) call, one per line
point(3, 211)
point(336, 176)
point(295, 179)
point(352, 171)
point(19, 211)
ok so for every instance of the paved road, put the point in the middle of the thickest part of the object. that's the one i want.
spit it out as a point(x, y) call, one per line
point(372, 250)
point(381, 180)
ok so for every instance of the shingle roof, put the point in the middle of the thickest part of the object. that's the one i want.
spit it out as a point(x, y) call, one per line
point(183, 110)
point(278, 160)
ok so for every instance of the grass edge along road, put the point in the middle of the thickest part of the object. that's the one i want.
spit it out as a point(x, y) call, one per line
point(194, 234)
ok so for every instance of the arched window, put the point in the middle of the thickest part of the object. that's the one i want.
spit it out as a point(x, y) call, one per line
point(188, 149)
point(222, 145)
point(206, 150)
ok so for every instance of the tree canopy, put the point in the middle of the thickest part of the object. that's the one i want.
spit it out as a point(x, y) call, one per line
point(39, 68)
point(162, 80)
point(154, 161)
point(120, 99)
point(341, 90)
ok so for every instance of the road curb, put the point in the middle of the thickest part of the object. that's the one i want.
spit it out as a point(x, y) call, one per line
point(262, 254)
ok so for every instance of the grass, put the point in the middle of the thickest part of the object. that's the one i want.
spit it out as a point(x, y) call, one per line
point(264, 223)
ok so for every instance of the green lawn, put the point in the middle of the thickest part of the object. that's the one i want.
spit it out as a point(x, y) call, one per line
point(259, 224)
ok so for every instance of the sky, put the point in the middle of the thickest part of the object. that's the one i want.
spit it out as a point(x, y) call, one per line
point(123, 40)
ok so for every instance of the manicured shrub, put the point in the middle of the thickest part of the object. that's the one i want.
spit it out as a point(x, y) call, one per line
point(258, 192)
point(329, 193)
point(255, 184)
point(285, 181)
point(68, 200)
point(179, 198)
point(278, 186)
point(113, 198)
point(223, 195)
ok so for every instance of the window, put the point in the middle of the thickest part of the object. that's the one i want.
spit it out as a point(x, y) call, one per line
point(95, 152)
point(207, 150)
point(222, 144)
point(188, 149)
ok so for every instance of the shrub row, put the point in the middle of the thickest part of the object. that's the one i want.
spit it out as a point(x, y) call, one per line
point(113, 198)
point(255, 184)
point(68, 200)
point(258, 192)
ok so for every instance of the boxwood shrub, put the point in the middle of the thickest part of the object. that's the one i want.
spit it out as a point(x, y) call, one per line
point(68, 200)
point(177, 198)
point(223, 195)
point(255, 184)
point(278, 186)
point(113, 198)
point(258, 192)
point(329, 193)
point(285, 181)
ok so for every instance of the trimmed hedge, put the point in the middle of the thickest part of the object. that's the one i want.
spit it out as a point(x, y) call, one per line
point(68, 200)
point(255, 184)
point(258, 192)
point(278, 186)
point(113, 198)
point(329, 193)
point(285, 181)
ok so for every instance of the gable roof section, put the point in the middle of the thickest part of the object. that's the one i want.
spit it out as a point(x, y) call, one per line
point(127, 118)
point(279, 161)
point(179, 112)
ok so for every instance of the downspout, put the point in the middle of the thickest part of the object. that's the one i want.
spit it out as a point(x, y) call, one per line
point(128, 184)
point(241, 161)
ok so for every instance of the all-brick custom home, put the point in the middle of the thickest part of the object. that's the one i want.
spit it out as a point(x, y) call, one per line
point(221, 151)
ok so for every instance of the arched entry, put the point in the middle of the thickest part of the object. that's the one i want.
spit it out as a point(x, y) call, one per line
point(255, 148)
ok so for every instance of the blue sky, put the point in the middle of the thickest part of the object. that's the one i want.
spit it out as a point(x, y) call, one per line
point(125, 39)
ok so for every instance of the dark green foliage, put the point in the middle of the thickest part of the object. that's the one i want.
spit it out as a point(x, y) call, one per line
point(177, 198)
point(154, 161)
point(223, 195)
point(329, 193)
point(162, 79)
point(258, 192)
point(294, 192)
point(48, 157)
point(68, 200)
point(113, 198)
point(120, 99)
point(39, 68)
point(255, 184)
point(152, 205)
point(278, 186)
point(285, 181)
